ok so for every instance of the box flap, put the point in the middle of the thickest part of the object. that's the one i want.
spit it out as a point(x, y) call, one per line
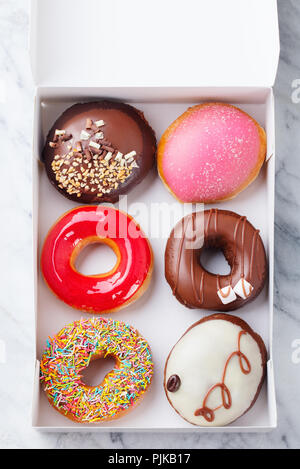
point(165, 43)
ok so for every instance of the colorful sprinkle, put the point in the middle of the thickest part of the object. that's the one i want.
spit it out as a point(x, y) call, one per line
point(71, 351)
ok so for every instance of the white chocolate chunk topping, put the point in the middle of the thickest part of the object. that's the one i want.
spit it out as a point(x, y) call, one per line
point(60, 132)
point(243, 288)
point(84, 135)
point(94, 145)
point(119, 156)
point(130, 155)
point(100, 123)
point(108, 156)
point(226, 295)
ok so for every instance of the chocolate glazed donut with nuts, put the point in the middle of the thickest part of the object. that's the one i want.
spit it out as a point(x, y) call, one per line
point(242, 247)
point(97, 151)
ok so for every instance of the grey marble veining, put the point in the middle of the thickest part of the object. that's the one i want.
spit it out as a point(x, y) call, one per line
point(16, 317)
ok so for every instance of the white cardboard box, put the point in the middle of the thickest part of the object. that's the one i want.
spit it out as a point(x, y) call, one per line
point(161, 57)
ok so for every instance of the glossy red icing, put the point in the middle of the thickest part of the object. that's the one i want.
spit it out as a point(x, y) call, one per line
point(98, 293)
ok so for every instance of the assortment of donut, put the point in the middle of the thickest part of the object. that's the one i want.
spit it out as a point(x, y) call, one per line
point(97, 151)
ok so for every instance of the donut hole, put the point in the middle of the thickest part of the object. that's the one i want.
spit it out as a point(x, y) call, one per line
point(98, 368)
point(213, 260)
point(95, 259)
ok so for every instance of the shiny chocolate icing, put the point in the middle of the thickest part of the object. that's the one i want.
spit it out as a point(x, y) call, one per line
point(243, 249)
point(99, 172)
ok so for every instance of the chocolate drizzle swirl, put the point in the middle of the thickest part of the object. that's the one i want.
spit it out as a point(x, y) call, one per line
point(205, 411)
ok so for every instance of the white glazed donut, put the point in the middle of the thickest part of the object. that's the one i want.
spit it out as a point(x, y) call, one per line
point(214, 373)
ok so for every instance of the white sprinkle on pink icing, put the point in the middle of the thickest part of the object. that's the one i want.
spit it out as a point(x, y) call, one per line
point(211, 153)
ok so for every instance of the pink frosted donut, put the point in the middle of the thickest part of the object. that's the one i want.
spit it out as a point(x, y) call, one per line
point(211, 153)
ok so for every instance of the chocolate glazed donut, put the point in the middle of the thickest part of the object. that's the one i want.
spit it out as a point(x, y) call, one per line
point(97, 151)
point(242, 247)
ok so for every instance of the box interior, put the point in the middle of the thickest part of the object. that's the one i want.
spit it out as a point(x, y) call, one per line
point(201, 43)
point(159, 317)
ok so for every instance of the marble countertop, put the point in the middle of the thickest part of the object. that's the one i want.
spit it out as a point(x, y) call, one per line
point(16, 313)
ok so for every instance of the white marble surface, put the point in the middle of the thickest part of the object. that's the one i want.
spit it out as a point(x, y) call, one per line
point(16, 312)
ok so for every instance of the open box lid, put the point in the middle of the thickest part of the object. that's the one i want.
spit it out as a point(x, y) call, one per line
point(154, 43)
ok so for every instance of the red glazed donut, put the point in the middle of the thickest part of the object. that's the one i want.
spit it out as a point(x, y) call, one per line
point(101, 293)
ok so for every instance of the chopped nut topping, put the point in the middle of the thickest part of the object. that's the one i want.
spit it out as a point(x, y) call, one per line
point(89, 124)
point(91, 167)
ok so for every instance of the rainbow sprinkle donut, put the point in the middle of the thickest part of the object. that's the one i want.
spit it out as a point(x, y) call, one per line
point(73, 348)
